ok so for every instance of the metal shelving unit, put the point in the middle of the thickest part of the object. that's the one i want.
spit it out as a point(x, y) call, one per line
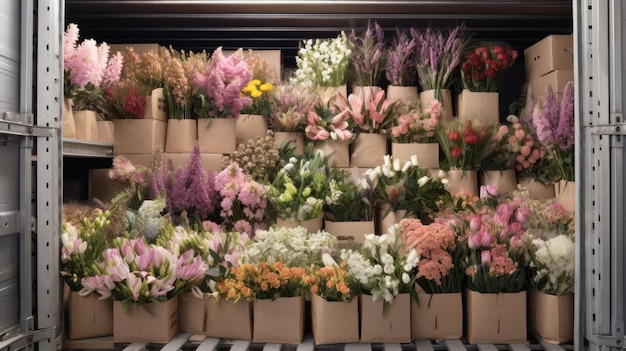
point(85, 148)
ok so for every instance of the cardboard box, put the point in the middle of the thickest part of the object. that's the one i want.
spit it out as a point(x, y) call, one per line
point(139, 136)
point(279, 321)
point(101, 186)
point(480, 108)
point(152, 322)
point(273, 58)
point(228, 319)
point(89, 317)
point(218, 136)
point(554, 52)
point(427, 153)
point(551, 317)
point(556, 79)
point(156, 106)
point(437, 316)
point(145, 160)
point(191, 314)
point(210, 162)
point(393, 326)
point(368, 150)
point(334, 322)
point(495, 318)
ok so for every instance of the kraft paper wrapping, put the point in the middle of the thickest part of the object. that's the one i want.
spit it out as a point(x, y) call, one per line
point(218, 137)
point(480, 108)
point(181, 135)
point(446, 102)
point(404, 94)
point(365, 92)
point(228, 319)
point(338, 152)
point(437, 316)
point(191, 314)
point(334, 322)
point(86, 125)
point(157, 324)
point(537, 190)
point(394, 326)
point(250, 127)
point(551, 317)
point(156, 106)
point(139, 136)
point(565, 193)
point(296, 140)
point(350, 232)
point(106, 132)
point(457, 181)
point(280, 321)
point(69, 130)
point(495, 318)
point(427, 153)
point(368, 150)
point(312, 225)
point(89, 317)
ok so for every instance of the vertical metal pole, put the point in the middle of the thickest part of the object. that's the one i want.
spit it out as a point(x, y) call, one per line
point(26, 186)
point(49, 164)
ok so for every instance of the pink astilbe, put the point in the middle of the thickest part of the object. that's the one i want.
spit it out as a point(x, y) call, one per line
point(435, 244)
point(192, 189)
point(222, 83)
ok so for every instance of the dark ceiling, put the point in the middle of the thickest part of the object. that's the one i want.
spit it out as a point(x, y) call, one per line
point(262, 24)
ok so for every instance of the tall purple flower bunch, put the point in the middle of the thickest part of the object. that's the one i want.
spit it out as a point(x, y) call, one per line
point(222, 82)
point(191, 189)
point(400, 65)
point(437, 55)
point(554, 123)
point(368, 57)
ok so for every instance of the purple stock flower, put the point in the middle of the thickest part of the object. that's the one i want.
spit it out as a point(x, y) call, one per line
point(565, 127)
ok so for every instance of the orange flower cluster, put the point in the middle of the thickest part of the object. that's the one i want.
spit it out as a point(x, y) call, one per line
point(263, 281)
point(333, 284)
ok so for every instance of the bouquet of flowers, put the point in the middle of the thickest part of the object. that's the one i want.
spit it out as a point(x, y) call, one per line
point(88, 70)
point(555, 129)
point(261, 95)
point(82, 247)
point(368, 55)
point(436, 248)
point(127, 98)
point(290, 107)
point(400, 65)
point(425, 194)
point(323, 62)
point(349, 200)
point(243, 201)
point(465, 146)
point(483, 67)
point(300, 187)
point(136, 181)
point(493, 249)
point(437, 56)
point(295, 247)
point(257, 158)
point(264, 281)
point(334, 283)
point(147, 221)
point(222, 83)
point(371, 113)
point(326, 122)
point(225, 251)
point(390, 181)
point(176, 87)
point(508, 143)
point(414, 125)
point(383, 267)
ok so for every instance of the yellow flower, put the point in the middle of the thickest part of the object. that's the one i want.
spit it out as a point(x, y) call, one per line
point(249, 88)
point(256, 94)
point(266, 87)
point(255, 82)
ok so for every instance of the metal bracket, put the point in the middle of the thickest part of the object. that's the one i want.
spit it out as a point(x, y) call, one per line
point(610, 129)
point(10, 124)
point(9, 222)
point(607, 341)
point(21, 341)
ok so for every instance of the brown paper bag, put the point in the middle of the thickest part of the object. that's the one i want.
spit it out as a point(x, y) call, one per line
point(156, 106)
point(481, 108)
point(69, 130)
point(334, 322)
point(394, 326)
point(446, 102)
point(137, 324)
point(181, 135)
point(138, 136)
point(250, 127)
point(505, 180)
point(86, 124)
point(89, 316)
point(368, 150)
point(338, 152)
point(218, 137)
point(296, 139)
point(228, 319)
point(551, 317)
point(427, 153)
point(495, 318)
point(106, 133)
point(191, 314)
point(312, 225)
point(280, 321)
point(437, 316)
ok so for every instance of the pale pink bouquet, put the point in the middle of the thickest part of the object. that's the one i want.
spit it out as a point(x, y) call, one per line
point(327, 122)
point(371, 113)
point(415, 125)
